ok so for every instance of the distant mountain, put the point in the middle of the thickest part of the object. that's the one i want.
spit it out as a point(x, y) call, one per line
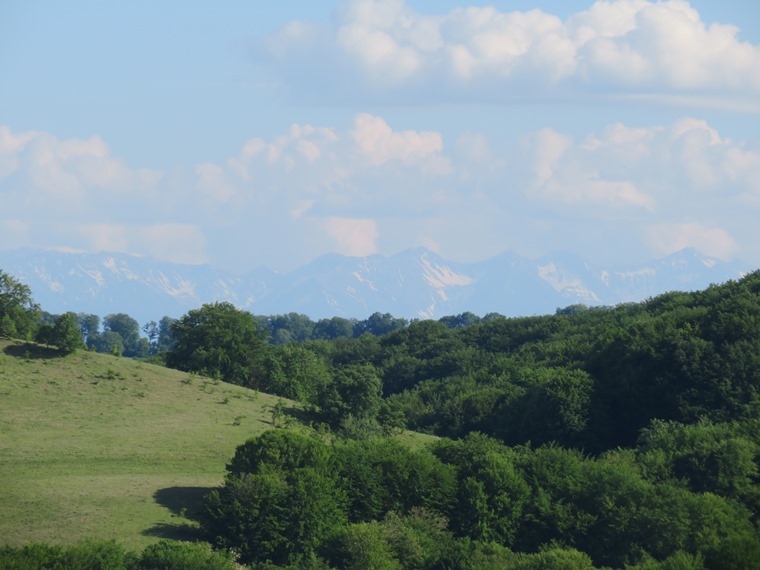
point(416, 283)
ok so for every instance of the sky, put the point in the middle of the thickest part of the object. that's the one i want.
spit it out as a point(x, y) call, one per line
point(245, 133)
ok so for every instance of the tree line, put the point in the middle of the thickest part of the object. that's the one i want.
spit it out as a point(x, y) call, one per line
point(119, 333)
point(623, 437)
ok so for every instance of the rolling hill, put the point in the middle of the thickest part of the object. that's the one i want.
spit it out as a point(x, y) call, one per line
point(95, 446)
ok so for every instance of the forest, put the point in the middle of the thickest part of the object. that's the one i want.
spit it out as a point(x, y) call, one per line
point(596, 437)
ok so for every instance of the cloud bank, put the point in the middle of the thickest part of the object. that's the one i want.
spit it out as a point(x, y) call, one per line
point(367, 187)
point(627, 49)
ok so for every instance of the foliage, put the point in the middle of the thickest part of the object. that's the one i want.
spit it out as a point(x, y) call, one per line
point(108, 554)
point(66, 334)
point(129, 331)
point(87, 555)
point(624, 437)
point(18, 312)
point(88, 456)
point(89, 325)
point(217, 339)
point(184, 556)
point(355, 391)
point(279, 501)
point(107, 342)
point(294, 372)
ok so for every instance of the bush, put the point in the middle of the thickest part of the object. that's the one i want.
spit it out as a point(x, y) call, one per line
point(185, 556)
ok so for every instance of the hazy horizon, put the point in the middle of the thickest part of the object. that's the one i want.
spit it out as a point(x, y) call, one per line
point(245, 135)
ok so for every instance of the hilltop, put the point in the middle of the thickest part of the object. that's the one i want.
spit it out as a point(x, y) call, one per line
point(96, 446)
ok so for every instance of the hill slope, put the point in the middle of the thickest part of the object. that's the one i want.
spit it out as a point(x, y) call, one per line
point(94, 446)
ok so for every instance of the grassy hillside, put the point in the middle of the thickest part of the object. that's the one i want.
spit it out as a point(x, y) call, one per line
point(94, 446)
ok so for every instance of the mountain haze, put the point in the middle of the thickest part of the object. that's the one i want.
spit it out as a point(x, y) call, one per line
point(415, 283)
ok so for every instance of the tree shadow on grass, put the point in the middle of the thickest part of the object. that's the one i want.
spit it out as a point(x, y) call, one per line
point(184, 503)
point(306, 417)
point(31, 351)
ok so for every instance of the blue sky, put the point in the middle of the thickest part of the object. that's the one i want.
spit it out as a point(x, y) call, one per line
point(242, 133)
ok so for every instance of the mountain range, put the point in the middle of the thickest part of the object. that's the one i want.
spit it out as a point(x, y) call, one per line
point(416, 283)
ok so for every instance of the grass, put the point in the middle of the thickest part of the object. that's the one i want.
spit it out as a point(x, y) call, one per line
point(95, 446)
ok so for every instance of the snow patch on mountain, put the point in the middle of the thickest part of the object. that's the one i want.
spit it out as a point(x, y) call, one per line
point(645, 272)
point(567, 284)
point(412, 284)
point(441, 276)
point(46, 278)
point(94, 274)
point(362, 279)
point(183, 289)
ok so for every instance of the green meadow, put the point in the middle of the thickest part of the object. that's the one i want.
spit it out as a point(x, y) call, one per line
point(96, 446)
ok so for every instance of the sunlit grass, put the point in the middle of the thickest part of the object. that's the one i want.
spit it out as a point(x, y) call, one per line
point(94, 446)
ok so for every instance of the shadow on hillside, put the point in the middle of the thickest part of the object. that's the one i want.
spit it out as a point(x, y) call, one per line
point(32, 351)
point(184, 503)
point(303, 416)
point(178, 531)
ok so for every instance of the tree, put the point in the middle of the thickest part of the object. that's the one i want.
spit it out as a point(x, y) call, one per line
point(129, 329)
point(294, 372)
point(185, 555)
point(279, 501)
point(217, 340)
point(460, 321)
point(356, 390)
point(89, 325)
point(289, 328)
point(491, 494)
point(18, 312)
point(379, 324)
point(335, 327)
point(107, 342)
point(165, 340)
point(151, 331)
point(66, 334)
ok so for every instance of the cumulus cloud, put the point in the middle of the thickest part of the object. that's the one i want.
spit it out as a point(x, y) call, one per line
point(669, 238)
point(370, 186)
point(212, 181)
point(621, 47)
point(567, 173)
point(379, 144)
point(62, 174)
point(656, 169)
point(180, 243)
point(356, 237)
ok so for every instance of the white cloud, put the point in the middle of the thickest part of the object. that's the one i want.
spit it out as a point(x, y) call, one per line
point(659, 169)
point(180, 243)
point(380, 144)
point(14, 232)
point(66, 173)
point(370, 186)
point(669, 238)
point(11, 145)
point(549, 147)
point(567, 173)
point(213, 182)
point(353, 236)
point(626, 47)
point(105, 237)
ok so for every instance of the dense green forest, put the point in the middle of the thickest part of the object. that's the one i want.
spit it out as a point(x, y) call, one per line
point(620, 437)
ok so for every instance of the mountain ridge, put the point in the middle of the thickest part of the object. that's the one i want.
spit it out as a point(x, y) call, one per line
point(414, 283)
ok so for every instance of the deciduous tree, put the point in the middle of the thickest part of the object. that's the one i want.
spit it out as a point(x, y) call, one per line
point(218, 340)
